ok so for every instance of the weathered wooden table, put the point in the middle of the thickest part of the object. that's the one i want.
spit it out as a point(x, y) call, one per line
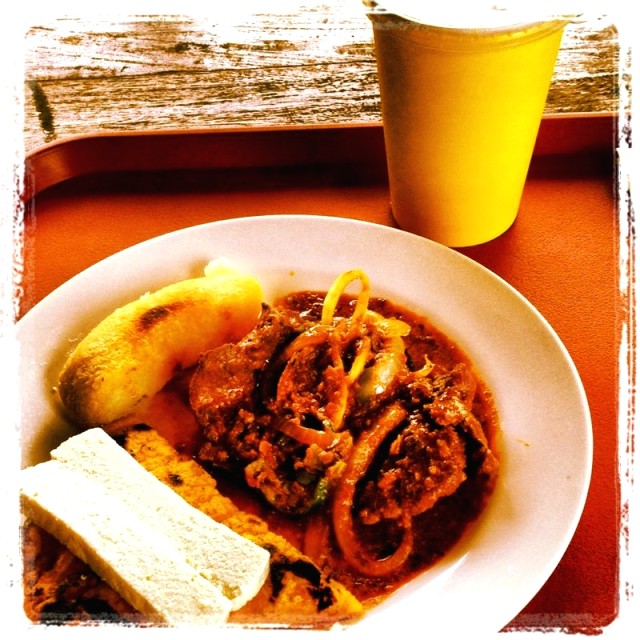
point(307, 63)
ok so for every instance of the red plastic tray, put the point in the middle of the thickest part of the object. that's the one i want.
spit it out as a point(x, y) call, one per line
point(89, 197)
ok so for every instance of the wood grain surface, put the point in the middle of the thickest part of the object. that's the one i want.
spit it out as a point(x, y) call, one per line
point(290, 63)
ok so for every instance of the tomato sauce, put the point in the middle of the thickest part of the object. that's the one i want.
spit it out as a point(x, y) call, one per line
point(434, 532)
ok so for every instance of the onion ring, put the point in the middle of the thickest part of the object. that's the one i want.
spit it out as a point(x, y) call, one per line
point(342, 508)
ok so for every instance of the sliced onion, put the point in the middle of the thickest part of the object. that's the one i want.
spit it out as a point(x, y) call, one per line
point(338, 288)
point(342, 508)
point(304, 435)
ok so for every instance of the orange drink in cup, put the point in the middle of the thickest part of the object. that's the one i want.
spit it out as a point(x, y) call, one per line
point(461, 109)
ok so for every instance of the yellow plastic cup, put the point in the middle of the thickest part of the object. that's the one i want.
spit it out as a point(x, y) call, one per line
point(461, 109)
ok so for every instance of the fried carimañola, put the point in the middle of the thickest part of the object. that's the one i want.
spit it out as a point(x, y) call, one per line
point(136, 350)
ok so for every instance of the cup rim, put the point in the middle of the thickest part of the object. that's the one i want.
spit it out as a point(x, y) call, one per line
point(379, 16)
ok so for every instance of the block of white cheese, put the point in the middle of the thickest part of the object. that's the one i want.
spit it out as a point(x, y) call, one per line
point(143, 565)
point(237, 566)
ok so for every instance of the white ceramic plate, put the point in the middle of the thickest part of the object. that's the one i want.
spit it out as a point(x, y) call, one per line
point(547, 441)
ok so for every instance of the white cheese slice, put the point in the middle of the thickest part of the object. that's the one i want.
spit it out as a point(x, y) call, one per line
point(237, 566)
point(135, 559)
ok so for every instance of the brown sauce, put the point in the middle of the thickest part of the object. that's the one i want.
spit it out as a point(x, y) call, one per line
point(435, 531)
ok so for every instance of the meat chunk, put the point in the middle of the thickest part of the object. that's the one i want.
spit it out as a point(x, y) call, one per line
point(433, 454)
point(224, 396)
point(424, 463)
point(453, 395)
point(285, 454)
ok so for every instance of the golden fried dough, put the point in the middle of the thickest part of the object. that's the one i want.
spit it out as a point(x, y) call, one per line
point(136, 350)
